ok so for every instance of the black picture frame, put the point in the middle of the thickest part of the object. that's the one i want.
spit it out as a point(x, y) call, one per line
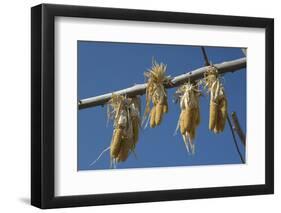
point(43, 102)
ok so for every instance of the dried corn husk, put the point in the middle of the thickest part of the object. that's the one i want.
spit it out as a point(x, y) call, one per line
point(218, 101)
point(156, 93)
point(125, 113)
point(189, 119)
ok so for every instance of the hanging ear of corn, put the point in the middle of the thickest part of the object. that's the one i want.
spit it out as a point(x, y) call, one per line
point(223, 109)
point(183, 121)
point(124, 151)
point(116, 143)
point(165, 106)
point(197, 116)
point(213, 115)
point(222, 114)
point(189, 119)
point(218, 101)
point(152, 117)
point(135, 109)
point(156, 93)
point(125, 113)
point(158, 113)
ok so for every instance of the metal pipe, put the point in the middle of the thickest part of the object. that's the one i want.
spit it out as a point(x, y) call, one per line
point(139, 89)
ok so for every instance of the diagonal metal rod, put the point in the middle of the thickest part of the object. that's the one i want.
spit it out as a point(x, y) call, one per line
point(237, 128)
point(207, 62)
point(235, 141)
point(139, 89)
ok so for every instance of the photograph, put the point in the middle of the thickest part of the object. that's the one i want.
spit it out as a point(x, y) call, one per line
point(147, 105)
point(137, 105)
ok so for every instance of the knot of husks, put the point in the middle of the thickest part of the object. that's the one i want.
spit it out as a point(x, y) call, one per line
point(218, 101)
point(126, 114)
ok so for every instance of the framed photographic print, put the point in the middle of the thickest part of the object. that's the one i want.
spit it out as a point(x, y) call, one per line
point(140, 106)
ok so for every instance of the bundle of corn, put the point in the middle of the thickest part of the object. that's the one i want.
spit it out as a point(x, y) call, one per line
point(156, 93)
point(218, 101)
point(188, 96)
point(125, 112)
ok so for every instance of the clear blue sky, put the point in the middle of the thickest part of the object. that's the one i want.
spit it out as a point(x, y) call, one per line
point(105, 67)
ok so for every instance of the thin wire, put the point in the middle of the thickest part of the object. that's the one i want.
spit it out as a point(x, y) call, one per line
point(234, 139)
